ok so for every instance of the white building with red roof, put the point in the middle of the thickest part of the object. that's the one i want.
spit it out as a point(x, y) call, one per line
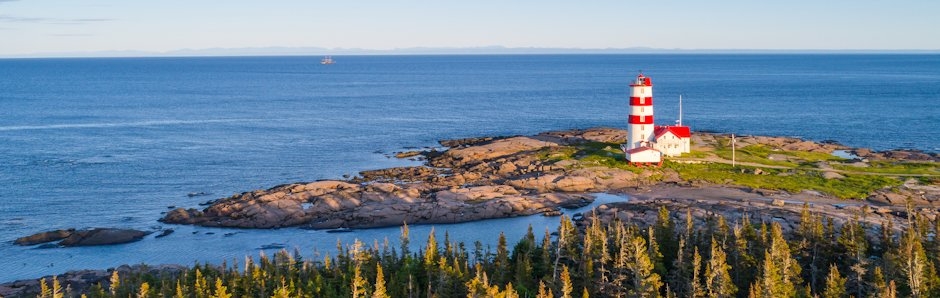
point(646, 142)
point(672, 140)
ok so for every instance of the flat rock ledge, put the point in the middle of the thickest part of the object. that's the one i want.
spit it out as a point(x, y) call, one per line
point(338, 204)
point(88, 237)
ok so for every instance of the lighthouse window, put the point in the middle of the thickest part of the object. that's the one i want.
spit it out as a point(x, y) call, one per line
point(642, 109)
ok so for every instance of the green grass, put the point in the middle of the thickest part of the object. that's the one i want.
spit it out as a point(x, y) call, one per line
point(851, 187)
point(603, 154)
point(589, 154)
point(753, 153)
point(759, 153)
point(885, 167)
point(696, 154)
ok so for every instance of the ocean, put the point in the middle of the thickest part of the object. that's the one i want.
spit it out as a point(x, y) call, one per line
point(114, 142)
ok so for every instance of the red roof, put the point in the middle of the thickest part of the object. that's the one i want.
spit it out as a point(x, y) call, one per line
point(642, 80)
point(679, 131)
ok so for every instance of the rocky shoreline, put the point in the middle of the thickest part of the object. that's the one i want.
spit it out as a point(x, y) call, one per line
point(475, 179)
point(492, 177)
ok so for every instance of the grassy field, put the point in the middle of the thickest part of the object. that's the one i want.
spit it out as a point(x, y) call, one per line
point(802, 173)
point(794, 180)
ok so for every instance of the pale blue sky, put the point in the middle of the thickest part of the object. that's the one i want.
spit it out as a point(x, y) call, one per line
point(55, 26)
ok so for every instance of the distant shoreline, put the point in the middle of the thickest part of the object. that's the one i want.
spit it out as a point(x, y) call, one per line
point(317, 52)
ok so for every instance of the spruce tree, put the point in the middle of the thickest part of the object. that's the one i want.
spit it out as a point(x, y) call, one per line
point(695, 281)
point(115, 282)
point(144, 290)
point(646, 282)
point(566, 287)
point(665, 233)
point(717, 278)
point(380, 291)
point(44, 291)
point(56, 288)
point(358, 286)
point(780, 273)
point(835, 284)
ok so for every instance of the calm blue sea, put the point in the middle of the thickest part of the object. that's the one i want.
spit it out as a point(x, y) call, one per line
point(114, 142)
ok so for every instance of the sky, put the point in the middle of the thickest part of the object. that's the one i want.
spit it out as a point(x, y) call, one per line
point(53, 27)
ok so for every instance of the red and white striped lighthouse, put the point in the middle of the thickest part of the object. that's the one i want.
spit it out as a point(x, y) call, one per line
point(640, 123)
point(639, 147)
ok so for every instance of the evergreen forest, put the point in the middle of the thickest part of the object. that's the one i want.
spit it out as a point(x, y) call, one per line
point(725, 257)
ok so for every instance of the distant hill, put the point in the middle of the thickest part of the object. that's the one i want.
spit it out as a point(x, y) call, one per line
point(483, 50)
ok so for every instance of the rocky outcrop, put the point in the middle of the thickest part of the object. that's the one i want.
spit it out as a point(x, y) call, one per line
point(904, 155)
point(88, 237)
point(600, 134)
point(103, 236)
point(43, 237)
point(459, 157)
point(335, 204)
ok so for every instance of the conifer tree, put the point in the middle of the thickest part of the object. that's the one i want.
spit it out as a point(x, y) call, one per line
point(891, 291)
point(544, 292)
point(221, 291)
point(508, 292)
point(877, 284)
point(403, 238)
point(201, 286)
point(646, 282)
point(780, 273)
point(358, 286)
point(501, 263)
point(179, 290)
point(566, 287)
point(665, 233)
point(56, 288)
point(44, 291)
point(655, 254)
point(115, 282)
point(144, 290)
point(694, 283)
point(835, 284)
point(281, 291)
point(717, 278)
point(914, 265)
point(380, 291)
point(430, 253)
point(854, 245)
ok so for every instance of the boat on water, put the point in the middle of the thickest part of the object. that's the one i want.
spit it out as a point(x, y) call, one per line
point(327, 60)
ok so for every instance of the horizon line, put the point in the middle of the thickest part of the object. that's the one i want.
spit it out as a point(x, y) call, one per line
point(416, 51)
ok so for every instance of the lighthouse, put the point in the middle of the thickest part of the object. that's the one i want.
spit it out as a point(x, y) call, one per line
point(640, 121)
point(639, 149)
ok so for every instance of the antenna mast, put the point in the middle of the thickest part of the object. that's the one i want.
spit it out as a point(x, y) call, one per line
point(680, 109)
